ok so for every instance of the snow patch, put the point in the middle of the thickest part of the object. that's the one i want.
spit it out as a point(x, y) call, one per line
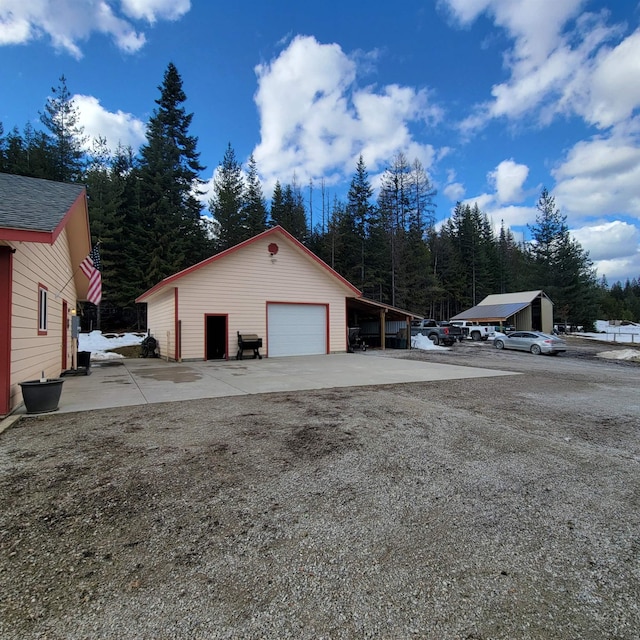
point(99, 344)
point(421, 341)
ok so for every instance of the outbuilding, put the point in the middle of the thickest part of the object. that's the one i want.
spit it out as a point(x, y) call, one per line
point(270, 286)
point(524, 310)
point(44, 236)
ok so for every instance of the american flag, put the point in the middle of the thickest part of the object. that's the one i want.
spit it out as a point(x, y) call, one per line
point(90, 266)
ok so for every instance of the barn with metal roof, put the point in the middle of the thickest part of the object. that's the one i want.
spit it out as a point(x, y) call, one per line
point(525, 310)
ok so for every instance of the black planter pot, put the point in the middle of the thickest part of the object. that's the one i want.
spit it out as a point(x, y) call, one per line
point(40, 397)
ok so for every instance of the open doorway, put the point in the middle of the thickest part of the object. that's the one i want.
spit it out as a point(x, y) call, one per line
point(215, 337)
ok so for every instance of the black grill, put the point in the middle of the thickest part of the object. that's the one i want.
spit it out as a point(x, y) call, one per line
point(249, 342)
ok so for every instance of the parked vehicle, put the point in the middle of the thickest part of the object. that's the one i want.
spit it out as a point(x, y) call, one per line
point(535, 342)
point(438, 332)
point(475, 331)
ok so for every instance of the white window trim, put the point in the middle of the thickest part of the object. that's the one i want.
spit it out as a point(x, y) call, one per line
point(43, 310)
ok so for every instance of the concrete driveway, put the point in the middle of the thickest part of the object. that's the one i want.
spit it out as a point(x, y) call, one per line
point(138, 381)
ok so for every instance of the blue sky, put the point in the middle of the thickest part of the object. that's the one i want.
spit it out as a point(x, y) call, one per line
point(496, 98)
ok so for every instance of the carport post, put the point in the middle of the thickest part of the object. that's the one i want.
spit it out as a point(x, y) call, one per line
point(383, 328)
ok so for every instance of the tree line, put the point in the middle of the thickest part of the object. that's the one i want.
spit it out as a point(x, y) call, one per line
point(146, 211)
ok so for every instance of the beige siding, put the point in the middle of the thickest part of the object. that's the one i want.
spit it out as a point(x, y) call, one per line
point(160, 321)
point(524, 319)
point(547, 315)
point(241, 284)
point(35, 264)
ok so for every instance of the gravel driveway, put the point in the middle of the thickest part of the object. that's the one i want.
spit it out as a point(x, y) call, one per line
point(470, 509)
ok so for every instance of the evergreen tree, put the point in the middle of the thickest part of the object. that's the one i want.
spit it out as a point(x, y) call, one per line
point(227, 205)
point(277, 205)
point(105, 199)
point(561, 267)
point(30, 154)
point(287, 210)
point(359, 210)
point(511, 263)
point(254, 208)
point(61, 118)
point(171, 230)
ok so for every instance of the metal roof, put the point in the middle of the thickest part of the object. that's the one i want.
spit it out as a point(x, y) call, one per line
point(33, 204)
point(491, 312)
point(508, 298)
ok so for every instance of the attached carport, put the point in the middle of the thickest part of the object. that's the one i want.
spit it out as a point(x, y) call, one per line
point(381, 325)
point(525, 310)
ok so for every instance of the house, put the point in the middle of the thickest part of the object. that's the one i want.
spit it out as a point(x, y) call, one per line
point(271, 286)
point(44, 236)
point(525, 310)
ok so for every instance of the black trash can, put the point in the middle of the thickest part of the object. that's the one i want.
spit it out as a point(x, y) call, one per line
point(84, 359)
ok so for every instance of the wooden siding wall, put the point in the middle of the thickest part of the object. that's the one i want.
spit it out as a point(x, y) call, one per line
point(547, 315)
point(240, 284)
point(34, 264)
point(160, 321)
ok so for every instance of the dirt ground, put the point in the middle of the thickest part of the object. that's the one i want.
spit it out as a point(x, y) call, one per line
point(487, 508)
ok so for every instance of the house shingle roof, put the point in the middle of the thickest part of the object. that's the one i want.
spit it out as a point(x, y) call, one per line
point(33, 204)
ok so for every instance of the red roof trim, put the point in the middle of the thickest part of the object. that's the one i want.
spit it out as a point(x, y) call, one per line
point(246, 243)
point(26, 235)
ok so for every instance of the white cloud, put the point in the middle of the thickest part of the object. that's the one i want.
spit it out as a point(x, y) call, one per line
point(619, 269)
point(614, 248)
point(560, 63)
point(508, 179)
point(600, 177)
point(154, 10)
point(118, 128)
point(609, 240)
point(70, 22)
point(614, 88)
point(316, 120)
point(454, 191)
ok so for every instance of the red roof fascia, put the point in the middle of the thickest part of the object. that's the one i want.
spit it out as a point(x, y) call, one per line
point(246, 243)
point(26, 235)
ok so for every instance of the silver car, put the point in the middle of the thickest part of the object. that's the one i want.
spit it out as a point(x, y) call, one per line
point(534, 341)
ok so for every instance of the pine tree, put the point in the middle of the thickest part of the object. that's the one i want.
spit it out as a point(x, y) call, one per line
point(170, 226)
point(61, 118)
point(359, 209)
point(105, 197)
point(561, 267)
point(254, 208)
point(287, 210)
point(227, 204)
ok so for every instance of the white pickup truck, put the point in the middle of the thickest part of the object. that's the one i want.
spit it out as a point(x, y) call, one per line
point(475, 331)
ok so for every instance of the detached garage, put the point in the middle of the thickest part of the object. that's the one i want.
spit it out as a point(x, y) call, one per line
point(271, 286)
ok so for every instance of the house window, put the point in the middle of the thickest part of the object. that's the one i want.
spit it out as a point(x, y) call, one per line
point(42, 309)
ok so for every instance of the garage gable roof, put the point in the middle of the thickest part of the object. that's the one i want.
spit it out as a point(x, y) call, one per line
point(35, 210)
point(275, 231)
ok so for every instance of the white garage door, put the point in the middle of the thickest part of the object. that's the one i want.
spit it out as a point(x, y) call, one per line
point(296, 329)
